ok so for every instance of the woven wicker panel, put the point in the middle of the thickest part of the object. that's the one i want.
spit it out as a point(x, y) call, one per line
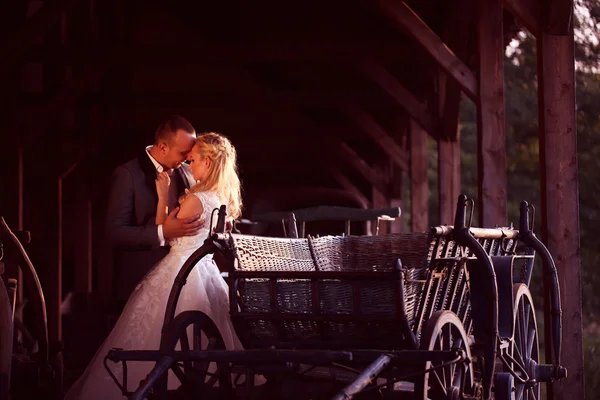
point(335, 297)
point(294, 296)
point(301, 330)
point(378, 298)
point(257, 253)
point(255, 296)
point(260, 331)
point(370, 253)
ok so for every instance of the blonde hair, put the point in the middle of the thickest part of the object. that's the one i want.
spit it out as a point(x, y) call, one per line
point(222, 175)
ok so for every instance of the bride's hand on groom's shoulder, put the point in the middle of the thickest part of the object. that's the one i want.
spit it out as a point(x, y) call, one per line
point(174, 227)
point(162, 185)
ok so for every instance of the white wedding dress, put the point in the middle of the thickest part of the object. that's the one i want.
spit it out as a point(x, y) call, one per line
point(139, 326)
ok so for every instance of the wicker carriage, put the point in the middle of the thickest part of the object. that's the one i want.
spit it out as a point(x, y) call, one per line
point(444, 314)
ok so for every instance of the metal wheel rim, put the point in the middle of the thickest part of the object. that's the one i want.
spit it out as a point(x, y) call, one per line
point(439, 384)
point(525, 344)
point(195, 371)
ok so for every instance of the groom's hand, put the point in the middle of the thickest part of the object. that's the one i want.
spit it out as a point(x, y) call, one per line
point(174, 227)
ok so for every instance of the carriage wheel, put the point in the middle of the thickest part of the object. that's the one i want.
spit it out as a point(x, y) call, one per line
point(444, 331)
point(525, 345)
point(6, 341)
point(194, 330)
point(48, 383)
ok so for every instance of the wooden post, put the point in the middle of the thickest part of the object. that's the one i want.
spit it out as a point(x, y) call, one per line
point(83, 246)
point(448, 146)
point(455, 33)
point(560, 200)
point(491, 151)
point(449, 178)
point(396, 198)
point(400, 130)
point(380, 198)
point(21, 198)
point(419, 189)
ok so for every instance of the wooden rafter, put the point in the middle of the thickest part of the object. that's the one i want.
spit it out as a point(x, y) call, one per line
point(34, 27)
point(345, 151)
point(215, 52)
point(40, 116)
point(387, 143)
point(362, 167)
point(282, 104)
point(403, 96)
point(432, 43)
point(345, 183)
point(526, 12)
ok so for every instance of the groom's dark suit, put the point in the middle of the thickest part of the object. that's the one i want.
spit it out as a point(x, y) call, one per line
point(130, 220)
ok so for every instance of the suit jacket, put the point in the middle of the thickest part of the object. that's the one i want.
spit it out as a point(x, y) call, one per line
point(130, 220)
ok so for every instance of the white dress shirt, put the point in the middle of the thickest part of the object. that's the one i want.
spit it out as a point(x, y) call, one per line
point(159, 169)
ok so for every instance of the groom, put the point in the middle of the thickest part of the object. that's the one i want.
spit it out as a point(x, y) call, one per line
point(137, 241)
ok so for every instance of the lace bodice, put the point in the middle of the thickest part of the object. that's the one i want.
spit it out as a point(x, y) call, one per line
point(210, 201)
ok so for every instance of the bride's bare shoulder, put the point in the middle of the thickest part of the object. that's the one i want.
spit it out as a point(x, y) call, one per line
point(191, 206)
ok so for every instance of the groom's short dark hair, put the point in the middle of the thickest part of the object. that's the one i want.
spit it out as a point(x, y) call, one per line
point(166, 131)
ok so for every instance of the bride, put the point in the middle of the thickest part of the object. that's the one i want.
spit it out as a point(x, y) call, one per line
point(213, 163)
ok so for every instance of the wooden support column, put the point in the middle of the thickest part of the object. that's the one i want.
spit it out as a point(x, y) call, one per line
point(456, 35)
point(20, 226)
point(560, 200)
point(449, 178)
point(448, 146)
point(380, 196)
point(419, 190)
point(400, 130)
point(396, 198)
point(491, 149)
point(526, 12)
point(83, 246)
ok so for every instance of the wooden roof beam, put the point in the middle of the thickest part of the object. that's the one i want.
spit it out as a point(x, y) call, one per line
point(560, 17)
point(34, 27)
point(219, 52)
point(361, 166)
point(431, 42)
point(347, 185)
point(403, 96)
point(38, 116)
point(378, 134)
point(526, 12)
point(282, 103)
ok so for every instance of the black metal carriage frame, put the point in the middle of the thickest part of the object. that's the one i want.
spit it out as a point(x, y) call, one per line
point(471, 325)
point(32, 364)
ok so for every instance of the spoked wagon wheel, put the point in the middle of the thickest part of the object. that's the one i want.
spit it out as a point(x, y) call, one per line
point(525, 345)
point(444, 331)
point(193, 331)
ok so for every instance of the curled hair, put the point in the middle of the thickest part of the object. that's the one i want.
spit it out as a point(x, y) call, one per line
point(222, 175)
